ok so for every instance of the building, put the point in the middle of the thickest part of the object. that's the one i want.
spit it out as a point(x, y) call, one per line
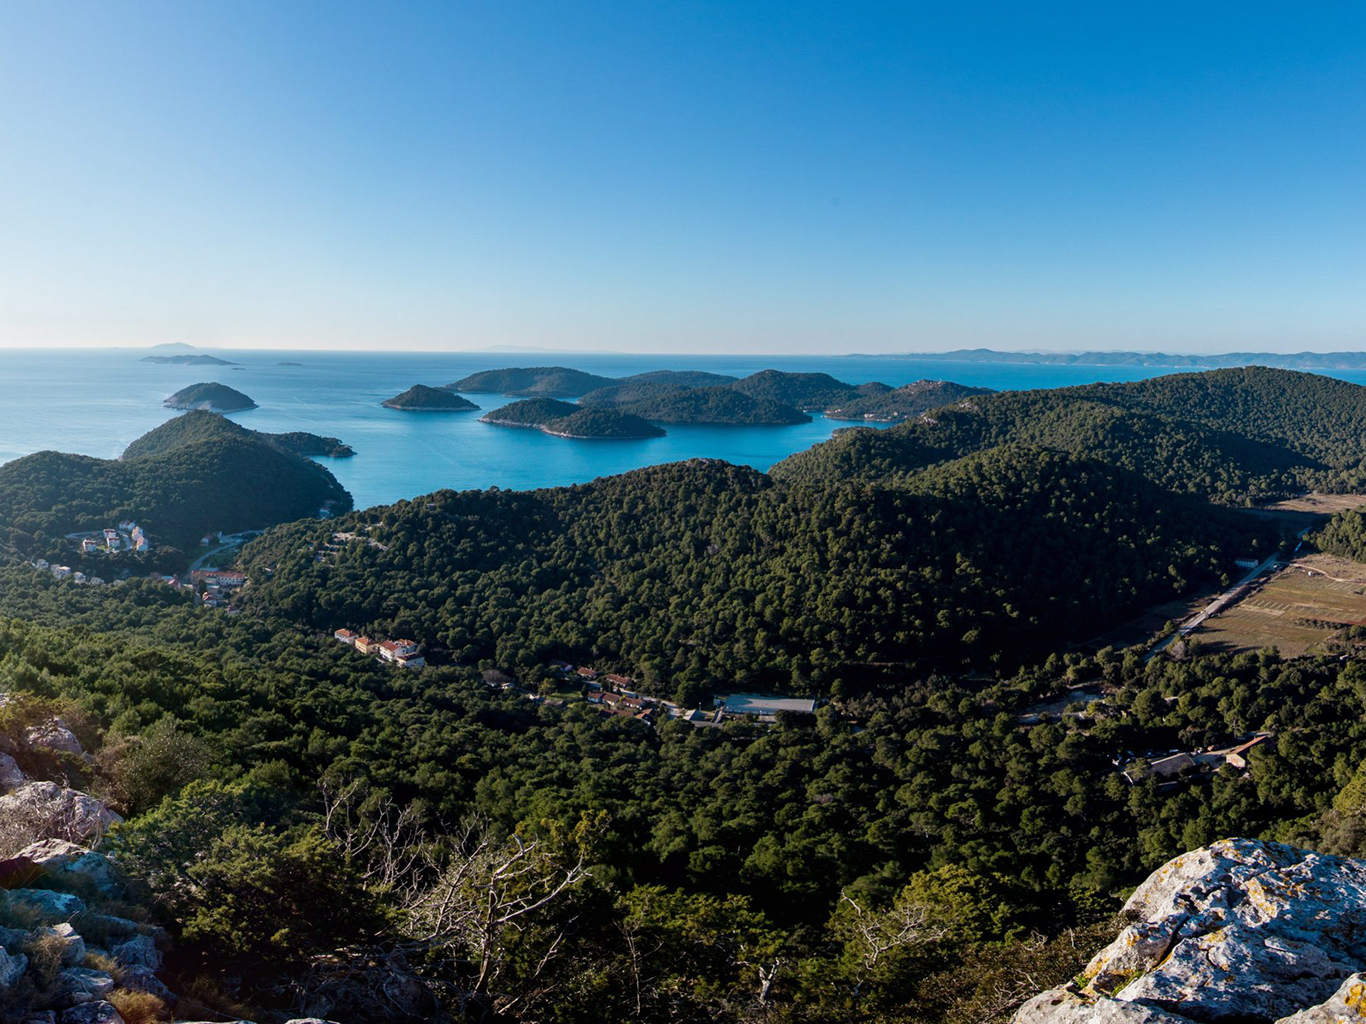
point(1164, 768)
point(588, 673)
point(620, 682)
point(760, 704)
point(365, 645)
point(346, 636)
point(1245, 563)
point(220, 577)
point(393, 650)
point(89, 545)
point(61, 571)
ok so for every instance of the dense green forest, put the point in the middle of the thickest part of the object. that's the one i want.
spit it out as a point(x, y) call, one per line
point(904, 402)
point(715, 405)
point(1344, 534)
point(421, 398)
point(717, 860)
point(701, 574)
point(210, 396)
point(1232, 436)
point(532, 381)
point(224, 482)
point(201, 425)
point(640, 386)
point(570, 420)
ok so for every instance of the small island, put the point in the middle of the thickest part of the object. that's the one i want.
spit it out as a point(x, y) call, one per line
point(564, 419)
point(200, 360)
point(550, 381)
point(199, 425)
point(421, 398)
point(288, 363)
point(211, 396)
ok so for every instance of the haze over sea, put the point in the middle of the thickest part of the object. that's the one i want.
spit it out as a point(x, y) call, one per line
point(94, 402)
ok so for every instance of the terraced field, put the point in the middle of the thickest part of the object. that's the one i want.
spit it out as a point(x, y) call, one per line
point(1296, 610)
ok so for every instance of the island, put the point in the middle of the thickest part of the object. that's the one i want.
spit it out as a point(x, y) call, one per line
point(199, 360)
point(532, 381)
point(421, 398)
point(211, 396)
point(199, 425)
point(720, 406)
point(564, 419)
point(289, 363)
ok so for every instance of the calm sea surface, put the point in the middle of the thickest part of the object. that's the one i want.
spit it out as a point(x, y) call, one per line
point(96, 401)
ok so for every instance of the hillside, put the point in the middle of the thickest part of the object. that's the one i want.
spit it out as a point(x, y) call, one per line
point(548, 381)
point(904, 402)
point(643, 386)
point(985, 559)
point(212, 397)
point(717, 406)
point(220, 483)
point(421, 398)
point(201, 425)
point(564, 419)
point(807, 391)
point(1229, 435)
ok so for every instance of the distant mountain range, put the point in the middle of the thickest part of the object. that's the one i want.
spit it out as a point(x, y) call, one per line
point(1280, 360)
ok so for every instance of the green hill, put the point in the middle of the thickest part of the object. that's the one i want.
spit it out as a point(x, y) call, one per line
point(802, 390)
point(201, 425)
point(550, 381)
point(718, 405)
point(213, 397)
point(1232, 436)
point(904, 402)
point(700, 571)
point(223, 482)
point(648, 386)
point(565, 419)
point(421, 398)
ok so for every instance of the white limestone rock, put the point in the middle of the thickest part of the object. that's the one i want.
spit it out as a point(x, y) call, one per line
point(11, 775)
point(47, 904)
point(12, 966)
point(53, 735)
point(48, 810)
point(98, 1012)
point(1345, 1006)
point(139, 951)
point(82, 985)
point(60, 856)
point(1240, 930)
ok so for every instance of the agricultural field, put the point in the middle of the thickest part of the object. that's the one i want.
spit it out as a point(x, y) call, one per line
point(1297, 611)
point(1320, 504)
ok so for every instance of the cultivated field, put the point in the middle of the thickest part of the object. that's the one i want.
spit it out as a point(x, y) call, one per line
point(1296, 610)
point(1320, 504)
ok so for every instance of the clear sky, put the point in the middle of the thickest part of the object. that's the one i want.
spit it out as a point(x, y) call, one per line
point(682, 176)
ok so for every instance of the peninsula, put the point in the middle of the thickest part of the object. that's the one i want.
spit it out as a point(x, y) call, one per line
point(564, 419)
point(421, 398)
point(212, 397)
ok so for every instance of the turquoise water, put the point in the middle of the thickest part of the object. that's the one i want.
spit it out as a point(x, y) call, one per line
point(96, 401)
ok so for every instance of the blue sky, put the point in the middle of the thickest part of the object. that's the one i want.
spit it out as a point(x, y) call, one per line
point(712, 177)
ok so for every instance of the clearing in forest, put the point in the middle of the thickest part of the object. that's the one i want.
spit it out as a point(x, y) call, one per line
point(1297, 610)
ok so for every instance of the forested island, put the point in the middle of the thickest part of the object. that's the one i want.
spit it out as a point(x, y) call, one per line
point(947, 834)
point(564, 419)
point(201, 425)
point(421, 398)
point(212, 397)
point(766, 398)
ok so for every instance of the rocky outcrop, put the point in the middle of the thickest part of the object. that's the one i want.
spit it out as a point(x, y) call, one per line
point(49, 810)
point(1238, 932)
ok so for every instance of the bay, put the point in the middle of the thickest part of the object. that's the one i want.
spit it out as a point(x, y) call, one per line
point(96, 401)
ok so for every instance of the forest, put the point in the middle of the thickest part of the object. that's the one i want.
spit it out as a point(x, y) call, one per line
point(747, 873)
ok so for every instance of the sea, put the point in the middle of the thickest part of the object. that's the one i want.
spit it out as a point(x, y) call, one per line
point(95, 401)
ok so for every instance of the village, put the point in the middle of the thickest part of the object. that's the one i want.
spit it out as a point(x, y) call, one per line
point(127, 537)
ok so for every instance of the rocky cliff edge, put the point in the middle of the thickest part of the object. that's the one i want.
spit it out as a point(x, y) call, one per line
point(1238, 932)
